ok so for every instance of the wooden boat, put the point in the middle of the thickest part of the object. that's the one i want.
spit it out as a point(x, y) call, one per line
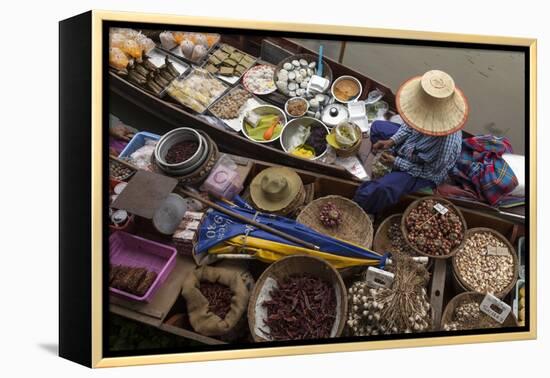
point(271, 50)
point(167, 303)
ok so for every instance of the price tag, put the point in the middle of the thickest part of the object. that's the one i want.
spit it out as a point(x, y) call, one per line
point(495, 308)
point(494, 250)
point(378, 278)
point(441, 209)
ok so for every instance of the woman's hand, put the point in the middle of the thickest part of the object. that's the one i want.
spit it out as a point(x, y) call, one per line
point(382, 145)
point(387, 159)
point(121, 131)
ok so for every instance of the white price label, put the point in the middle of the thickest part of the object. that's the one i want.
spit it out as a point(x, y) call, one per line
point(378, 278)
point(495, 308)
point(494, 250)
point(440, 208)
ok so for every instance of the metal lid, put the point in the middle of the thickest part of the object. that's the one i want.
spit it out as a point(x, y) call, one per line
point(334, 114)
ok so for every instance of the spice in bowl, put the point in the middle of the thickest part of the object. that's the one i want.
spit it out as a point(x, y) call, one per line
point(485, 263)
point(434, 228)
point(181, 151)
point(300, 307)
point(346, 88)
point(297, 107)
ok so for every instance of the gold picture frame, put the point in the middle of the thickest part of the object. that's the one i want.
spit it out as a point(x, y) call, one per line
point(98, 18)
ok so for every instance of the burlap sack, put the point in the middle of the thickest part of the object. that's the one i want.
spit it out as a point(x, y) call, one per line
point(204, 321)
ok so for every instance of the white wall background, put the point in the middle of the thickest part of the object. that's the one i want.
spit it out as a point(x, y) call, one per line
point(29, 188)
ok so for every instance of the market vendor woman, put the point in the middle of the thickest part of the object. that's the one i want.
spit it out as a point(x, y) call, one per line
point(423, 149)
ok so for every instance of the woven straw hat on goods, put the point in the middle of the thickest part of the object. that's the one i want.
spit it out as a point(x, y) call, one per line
point(432, 104)
point(274, 189)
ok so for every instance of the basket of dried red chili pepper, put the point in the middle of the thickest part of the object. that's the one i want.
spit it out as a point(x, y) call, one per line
point(298, 298)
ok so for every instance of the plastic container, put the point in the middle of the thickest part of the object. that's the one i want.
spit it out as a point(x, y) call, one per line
point(169, 215)
point(224, 180)
point(130, 250)
point(137, 142)
point(128, 225)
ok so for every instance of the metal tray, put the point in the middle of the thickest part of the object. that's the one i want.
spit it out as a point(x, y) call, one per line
point(157, 56)
point(191, 72)
point(177, 52)
point(231, 80)
point(235, 124)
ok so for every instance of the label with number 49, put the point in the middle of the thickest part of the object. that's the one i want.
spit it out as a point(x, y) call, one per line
point(378, 278)
point(495, 308)
point(440, 208)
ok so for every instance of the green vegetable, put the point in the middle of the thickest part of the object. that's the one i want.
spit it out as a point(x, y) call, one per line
point(266, 121)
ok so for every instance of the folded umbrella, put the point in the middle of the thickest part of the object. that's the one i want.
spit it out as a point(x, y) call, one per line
point(220, 233)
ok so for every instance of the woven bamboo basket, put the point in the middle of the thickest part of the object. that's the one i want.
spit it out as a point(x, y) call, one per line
point(447, 316)
point(327, 71)
point(461, 283)
point(447, 204)
point(297, 264)
point(382, 243)
point(351, 151)
point(355, 226)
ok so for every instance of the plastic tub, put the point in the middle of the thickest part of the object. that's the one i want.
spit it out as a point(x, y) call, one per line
point(129, 224)
point(137, 142)
point(130, 250)
point(169, 215)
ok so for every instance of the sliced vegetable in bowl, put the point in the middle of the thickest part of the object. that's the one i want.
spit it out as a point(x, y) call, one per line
point(264, 123)
point(344, 136)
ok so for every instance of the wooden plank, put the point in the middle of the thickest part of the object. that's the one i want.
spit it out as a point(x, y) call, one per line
point(437, 291)
point(273, 53)
point(145, 193)
point(190, 335)
point(154, 312)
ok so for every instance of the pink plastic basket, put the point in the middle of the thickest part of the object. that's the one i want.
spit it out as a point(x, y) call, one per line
point(130, 250)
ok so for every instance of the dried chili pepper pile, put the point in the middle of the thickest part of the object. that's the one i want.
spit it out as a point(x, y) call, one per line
point(301, 307)
point(218, 296)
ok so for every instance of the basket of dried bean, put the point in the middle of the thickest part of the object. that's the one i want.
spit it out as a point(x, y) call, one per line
point(216, 300)
point(463, 312)
point(486, 263)
point(433, 227)
point(298, 298)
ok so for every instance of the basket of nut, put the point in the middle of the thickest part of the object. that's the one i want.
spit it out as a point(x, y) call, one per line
point(486, 263)
point(389, 238)
point(463, 312)
point(433, 227)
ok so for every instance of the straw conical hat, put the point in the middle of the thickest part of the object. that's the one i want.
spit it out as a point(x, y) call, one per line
point(432, 104)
